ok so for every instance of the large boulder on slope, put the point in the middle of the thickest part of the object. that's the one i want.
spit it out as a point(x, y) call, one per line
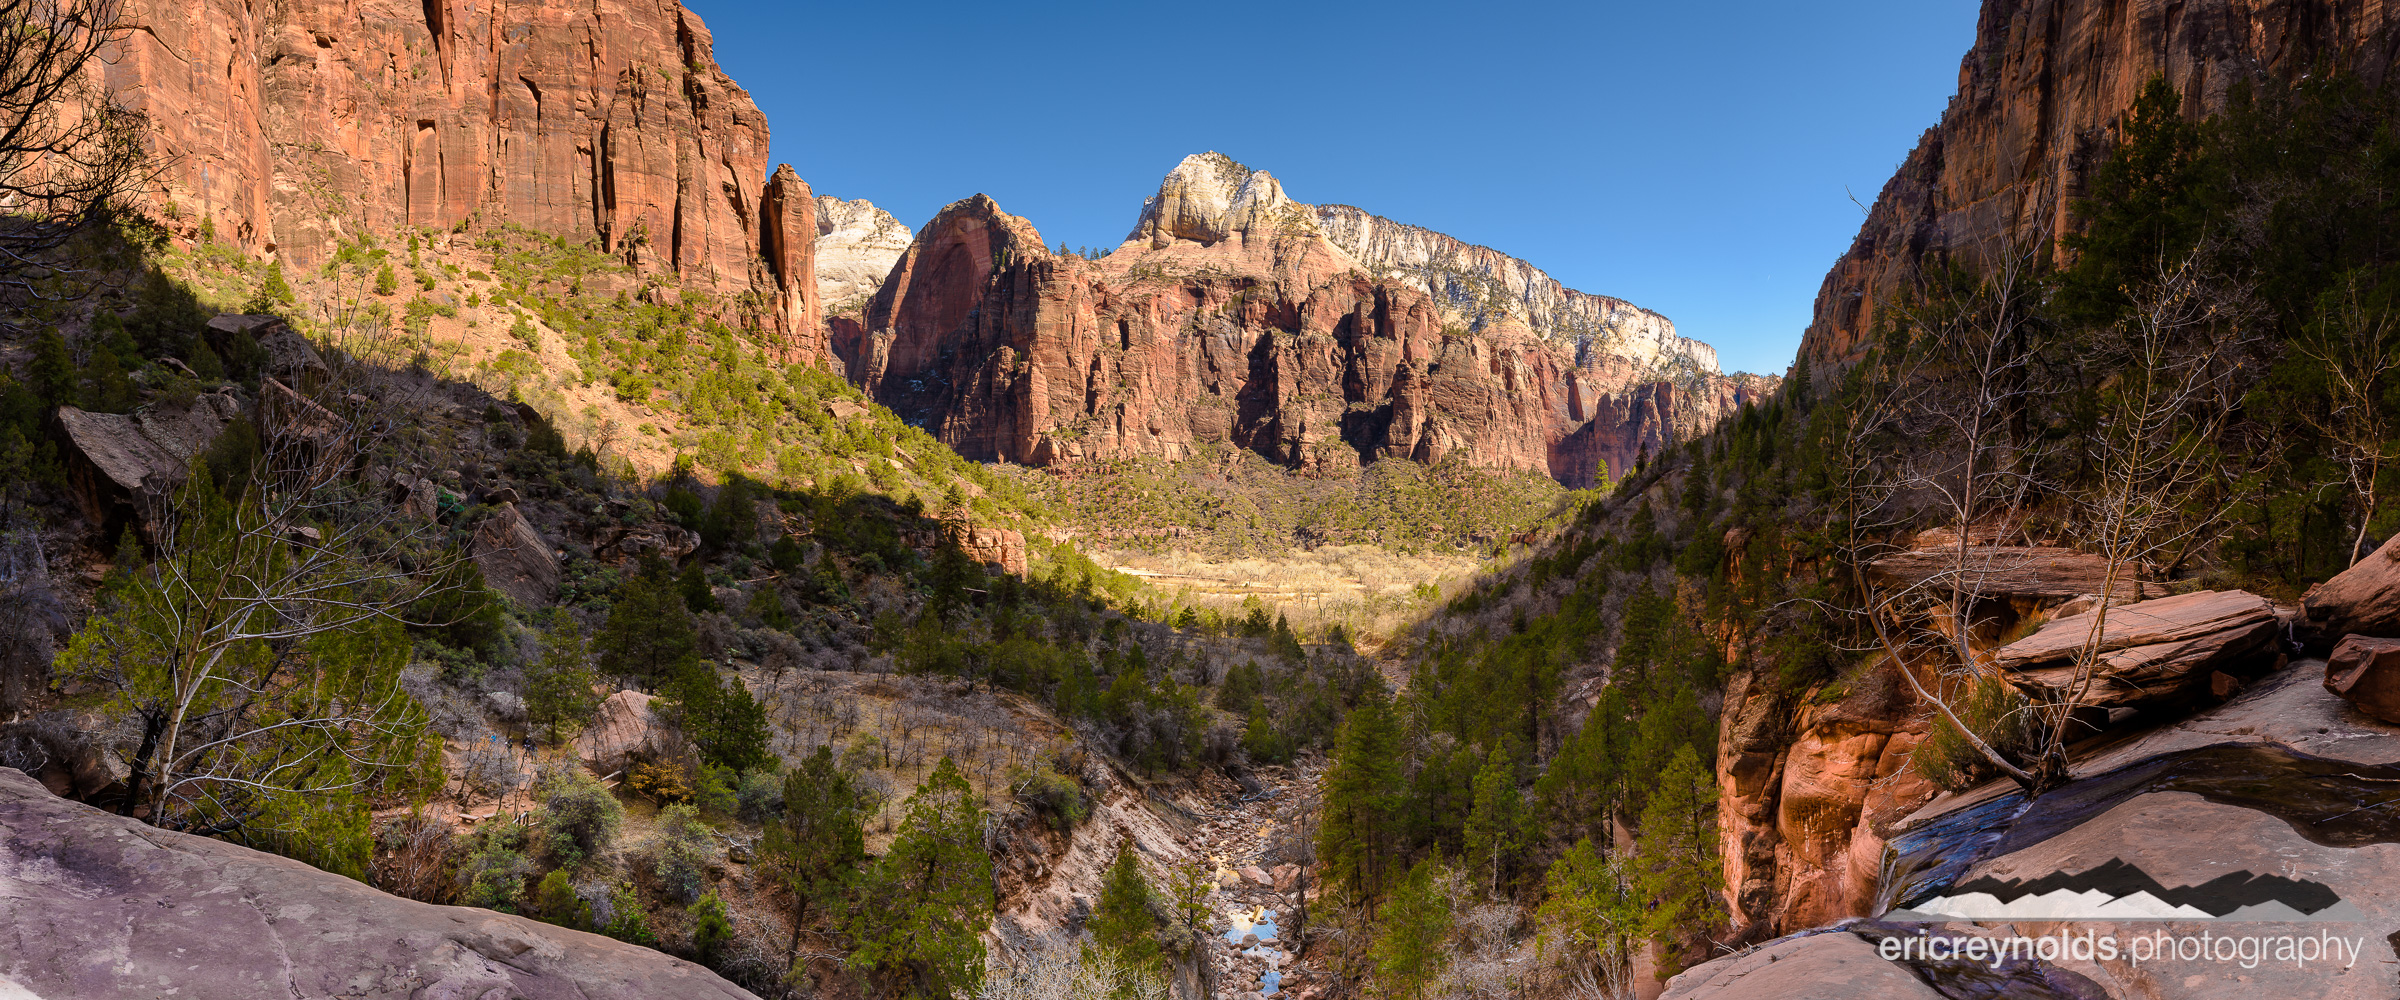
point(101, 906)
point(2362, 600)
point(515, 559)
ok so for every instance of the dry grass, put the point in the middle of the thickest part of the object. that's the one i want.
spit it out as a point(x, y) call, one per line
point(1371, 591)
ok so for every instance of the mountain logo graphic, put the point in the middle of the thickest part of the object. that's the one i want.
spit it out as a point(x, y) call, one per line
point(2120, 891)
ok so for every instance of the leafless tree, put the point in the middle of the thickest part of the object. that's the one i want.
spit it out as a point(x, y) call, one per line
point(69, 153)
point(2174, 386)
point(2357, 355)
point(258, 654)
point(1952, 398)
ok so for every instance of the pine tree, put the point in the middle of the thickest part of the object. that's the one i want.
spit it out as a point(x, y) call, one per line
point(693, 585)
point(558, 687)
point(1122, 922)
point(933, 893)
point(816, 846)
point(712, 928)
point(52, 371)
point(1413, 926)
point(720, 716)
point(1495, 822)
point(649, 633)
point(1676, 851)
point(1362, 798)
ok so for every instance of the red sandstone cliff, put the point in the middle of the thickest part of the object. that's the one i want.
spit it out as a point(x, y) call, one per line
point(1229, 318)
point(2037, 97)
point(289, 125)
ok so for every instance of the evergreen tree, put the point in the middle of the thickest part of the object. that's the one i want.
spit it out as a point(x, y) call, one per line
point(933, 894)
point(1676, 850)
point(1413, 926)
point(1362, 797)
point(649, 633)
point(816, 846)
point(558, 686)
point(52, 371)
point(1123, 922)
point(712, 928)
point(698, 596)
point(720, 716)
point(1495, 822)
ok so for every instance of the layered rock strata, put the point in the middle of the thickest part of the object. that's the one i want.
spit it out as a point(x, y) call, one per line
point(1229, 318)
point(2038, 96)
point(292, 127)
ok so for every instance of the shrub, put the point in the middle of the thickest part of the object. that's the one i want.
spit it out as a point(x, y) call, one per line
point(580, 817)
point(626, 921)
point(1054, 795)
point(559, 904)
point(662, 782)
point(386, 283)
point(681, 854)
point(1998, 713)
point(711, 928)
point(494, 872)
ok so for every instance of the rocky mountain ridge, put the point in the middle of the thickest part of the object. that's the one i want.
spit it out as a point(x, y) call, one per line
point(1229, 317)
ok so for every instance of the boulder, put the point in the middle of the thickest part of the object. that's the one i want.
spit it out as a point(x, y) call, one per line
point(1000, 548)
point(118, 463)
point(2162, 621)
point(2153, 652)
point(2365, 671)
point(2361, 600)
point(103, 907)
point(617, 731)
point(516, 560)
point(664, 541)
point(424, 500)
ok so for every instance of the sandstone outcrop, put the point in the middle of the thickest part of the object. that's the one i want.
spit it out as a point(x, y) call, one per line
point(515, 559)
point(2364, 599)
point(118, 465)
point(2365, 671)
point(292, 128)
point(2165, 621)
point(104, 906)
point(1228, 318)
point(2037, 95)
point(619, 729)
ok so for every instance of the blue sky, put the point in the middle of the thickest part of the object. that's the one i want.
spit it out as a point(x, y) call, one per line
point(1695, 159)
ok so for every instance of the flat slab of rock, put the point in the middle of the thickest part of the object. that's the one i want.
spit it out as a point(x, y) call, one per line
point(1835, 965)
point(2365, 671)
point(2364, 599)
point(2168, 620)
point(102, 907)
point(2159, 672)
point(2006, 571)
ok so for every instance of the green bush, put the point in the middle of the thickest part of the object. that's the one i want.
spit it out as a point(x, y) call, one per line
point(580, 817)
point(1995, 711)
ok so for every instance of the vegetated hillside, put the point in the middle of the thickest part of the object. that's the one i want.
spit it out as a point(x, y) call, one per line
point(1716, 693)
point(785, 659)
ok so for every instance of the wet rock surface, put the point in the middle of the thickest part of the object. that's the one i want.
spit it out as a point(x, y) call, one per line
point(105, 907)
